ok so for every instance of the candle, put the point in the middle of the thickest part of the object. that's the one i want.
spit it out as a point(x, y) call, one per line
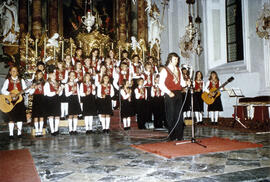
point(119, 52)
point(100, 50)
point(26, 47)
point(53, 52)
point(158, 53)
point(112, 45)
point(80, 44)
point(70, 48)
point(45, 47)
point(143, 53)
point(62, 50)
point(36, 48)
point(150, 51)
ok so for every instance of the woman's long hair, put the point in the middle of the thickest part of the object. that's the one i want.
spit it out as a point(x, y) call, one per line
point(213, 72)
point(196, 75)
point(92, 51)
point(9, 75)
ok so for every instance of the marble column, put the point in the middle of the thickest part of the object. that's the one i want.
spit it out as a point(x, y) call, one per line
point(36, 16)
point(53, 17)
point(23, 21)
point(142, 21)
point(122, 21)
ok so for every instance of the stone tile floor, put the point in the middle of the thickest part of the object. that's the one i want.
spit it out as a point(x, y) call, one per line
point(102, 157)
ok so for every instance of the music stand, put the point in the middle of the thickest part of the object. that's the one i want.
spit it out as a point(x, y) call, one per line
point(236, 92)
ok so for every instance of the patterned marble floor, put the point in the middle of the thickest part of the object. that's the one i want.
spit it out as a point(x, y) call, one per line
point(100, 157)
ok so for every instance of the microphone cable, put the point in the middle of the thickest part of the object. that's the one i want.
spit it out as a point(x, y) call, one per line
point(153, 139)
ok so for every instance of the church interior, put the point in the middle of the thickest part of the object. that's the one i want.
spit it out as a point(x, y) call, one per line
point(87, 124)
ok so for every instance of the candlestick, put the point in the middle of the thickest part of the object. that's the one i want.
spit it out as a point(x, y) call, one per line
point(53, 52)
point(45, 47)
point(26, 47)
point(100, 50)
point(36, 48)
point(119, 52)
point(143, 53)
point(158, 52)
point(63, 50)
point(70, 48)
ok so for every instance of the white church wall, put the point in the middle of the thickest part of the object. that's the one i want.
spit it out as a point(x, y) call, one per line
point(252, 74)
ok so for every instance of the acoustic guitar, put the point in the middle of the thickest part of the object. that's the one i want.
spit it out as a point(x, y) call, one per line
point(7, 102)
point(209, 98)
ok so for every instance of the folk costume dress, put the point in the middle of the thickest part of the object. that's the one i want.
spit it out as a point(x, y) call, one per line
point(141, 106)
point(88, 98)
point(158, 106)
point(72, 94)
point(18, 112)
point(105, 94)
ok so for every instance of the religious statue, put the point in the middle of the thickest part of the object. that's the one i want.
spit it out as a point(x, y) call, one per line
point(53, 40)
point(135, 45)
point(154, 26)
point(9, 21)
point(148, 8)
point(53, 48)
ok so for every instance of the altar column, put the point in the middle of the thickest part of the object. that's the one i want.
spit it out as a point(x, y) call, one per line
point(142, 21)
point(122, 21)
point(53, 17)
point(23, 21)
point(36, 22)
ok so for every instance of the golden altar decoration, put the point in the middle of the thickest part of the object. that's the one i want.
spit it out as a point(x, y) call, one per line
point(95, 39)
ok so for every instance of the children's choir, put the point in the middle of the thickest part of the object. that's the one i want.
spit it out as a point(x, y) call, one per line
point(91, 86)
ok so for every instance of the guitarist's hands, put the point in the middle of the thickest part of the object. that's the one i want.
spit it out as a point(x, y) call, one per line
point(13, 95)
point(171, 94)
point(212, 94)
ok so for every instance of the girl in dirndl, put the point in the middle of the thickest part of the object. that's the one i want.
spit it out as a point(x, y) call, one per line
point(141, 104)
point(197, 96)
point(105, 92)
point(52, 91)
point(17, 114)
point(126, 109)
point(88, 94)
point(38, 102)
point(186, 94)
point(216, 107)
point(158, 105)
point(74, 107)
point(62, 77)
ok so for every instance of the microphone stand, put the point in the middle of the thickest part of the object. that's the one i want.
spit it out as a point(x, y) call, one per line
point(193, 138)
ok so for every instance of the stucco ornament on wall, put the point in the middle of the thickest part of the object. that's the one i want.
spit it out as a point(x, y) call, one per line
point(263, 23)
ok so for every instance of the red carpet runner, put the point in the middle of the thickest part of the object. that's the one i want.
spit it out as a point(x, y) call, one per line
point(214, 144)
point(17, 166)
